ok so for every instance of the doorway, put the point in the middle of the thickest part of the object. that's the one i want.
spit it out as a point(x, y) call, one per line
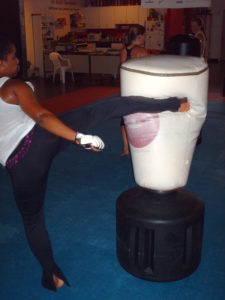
point(222, 57)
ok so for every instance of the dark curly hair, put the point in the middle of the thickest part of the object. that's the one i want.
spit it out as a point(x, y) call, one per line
point(5, 47)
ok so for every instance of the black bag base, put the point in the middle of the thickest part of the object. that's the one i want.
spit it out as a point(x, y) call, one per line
point(159, 235)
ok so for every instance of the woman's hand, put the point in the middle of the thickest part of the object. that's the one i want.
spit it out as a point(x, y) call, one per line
point(89, 142)
point(184, 106)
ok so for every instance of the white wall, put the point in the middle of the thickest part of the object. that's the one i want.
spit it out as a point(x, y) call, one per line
point(46, 7)
point(216, 29)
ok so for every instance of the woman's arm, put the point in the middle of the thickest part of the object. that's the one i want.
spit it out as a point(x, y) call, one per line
point(26, 99)
point(201, 38)
point(123, 55)
point(18, 92)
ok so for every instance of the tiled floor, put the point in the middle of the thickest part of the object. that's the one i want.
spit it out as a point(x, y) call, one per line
point(46, 89)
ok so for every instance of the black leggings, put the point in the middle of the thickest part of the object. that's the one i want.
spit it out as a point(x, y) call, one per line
point(29, 176)
point(29, 181)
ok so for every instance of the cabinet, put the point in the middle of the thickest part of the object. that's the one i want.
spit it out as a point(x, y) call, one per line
point(89, 64)
point(142, 15)
point(92, 17)
point(132, 15)
point(126, 14)
point(120, 14)
point(105, 64)
point(79, 63)
point(107, 17)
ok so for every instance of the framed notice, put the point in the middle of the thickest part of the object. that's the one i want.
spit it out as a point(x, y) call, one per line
point(175, 3)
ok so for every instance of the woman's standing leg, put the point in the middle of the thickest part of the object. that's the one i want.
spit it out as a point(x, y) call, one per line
point(29, 180)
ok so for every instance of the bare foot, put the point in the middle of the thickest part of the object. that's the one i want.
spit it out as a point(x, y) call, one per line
point(124, 153)
point(58, 282)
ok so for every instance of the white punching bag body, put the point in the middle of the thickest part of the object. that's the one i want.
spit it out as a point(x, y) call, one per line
point(162, 144)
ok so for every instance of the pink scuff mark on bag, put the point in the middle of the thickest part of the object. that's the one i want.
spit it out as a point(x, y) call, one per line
point(141, 128)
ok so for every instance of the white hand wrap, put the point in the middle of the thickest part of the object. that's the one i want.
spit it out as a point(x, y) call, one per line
point(89, 141)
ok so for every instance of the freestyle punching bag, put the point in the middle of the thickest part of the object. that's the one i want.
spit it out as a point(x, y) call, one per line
point(159, 223)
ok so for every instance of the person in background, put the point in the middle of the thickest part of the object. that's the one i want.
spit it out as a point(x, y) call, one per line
point(134, 48)
point(134, 44)
point(198, 31)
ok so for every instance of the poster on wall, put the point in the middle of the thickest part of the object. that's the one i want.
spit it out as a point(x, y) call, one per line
point(60, 23)
point(175, 3)
point(77, 21)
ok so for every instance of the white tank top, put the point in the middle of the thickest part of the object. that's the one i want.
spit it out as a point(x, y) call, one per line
point(14, 125)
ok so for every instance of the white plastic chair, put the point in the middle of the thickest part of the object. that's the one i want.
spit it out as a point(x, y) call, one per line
point(61, 65)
